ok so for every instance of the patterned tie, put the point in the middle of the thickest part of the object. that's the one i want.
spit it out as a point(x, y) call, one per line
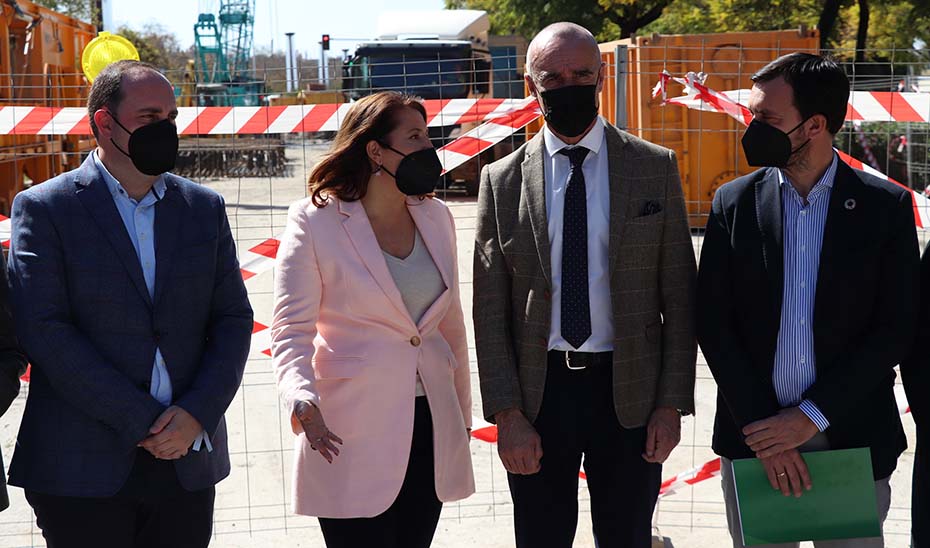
point(576, 306)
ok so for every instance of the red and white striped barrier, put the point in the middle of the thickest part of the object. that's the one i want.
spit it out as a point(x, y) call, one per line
point(864, 106)
point(699, 97)
point(488, 134)
point(706, 471)
point(35, 120)
point(259, 258)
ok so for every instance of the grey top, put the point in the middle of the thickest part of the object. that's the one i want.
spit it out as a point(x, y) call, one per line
point(419, 282)
point(417, 278)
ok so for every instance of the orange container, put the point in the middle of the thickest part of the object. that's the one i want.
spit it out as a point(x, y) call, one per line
point(707, 143)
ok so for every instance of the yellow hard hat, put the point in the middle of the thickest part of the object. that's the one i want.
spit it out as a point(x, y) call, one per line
point(106, 48)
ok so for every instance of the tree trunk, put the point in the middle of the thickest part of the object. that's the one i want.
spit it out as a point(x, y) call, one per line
point(633, 21)
point(831, 10)
point(862, 35)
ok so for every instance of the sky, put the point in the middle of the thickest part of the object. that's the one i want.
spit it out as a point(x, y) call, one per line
point(346, 21)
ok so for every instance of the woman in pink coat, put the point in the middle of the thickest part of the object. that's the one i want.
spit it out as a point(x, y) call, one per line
point(368, 337)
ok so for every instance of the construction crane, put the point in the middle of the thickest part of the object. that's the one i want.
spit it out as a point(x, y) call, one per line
point(223, 44)
point(222, 76)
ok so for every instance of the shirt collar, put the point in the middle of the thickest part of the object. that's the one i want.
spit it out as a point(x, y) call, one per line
point(592, 141)
point(117, 190)
point(825, 181)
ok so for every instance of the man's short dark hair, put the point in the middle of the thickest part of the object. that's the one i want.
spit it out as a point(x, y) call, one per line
point(820, 85)
point(106, 92)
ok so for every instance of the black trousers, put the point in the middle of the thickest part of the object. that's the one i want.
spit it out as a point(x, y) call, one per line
point(152, 510)
point(411, 520)
point(577, 421)
point(920, 495)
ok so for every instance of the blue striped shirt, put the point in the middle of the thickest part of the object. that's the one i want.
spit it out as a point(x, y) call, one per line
point(803, 224)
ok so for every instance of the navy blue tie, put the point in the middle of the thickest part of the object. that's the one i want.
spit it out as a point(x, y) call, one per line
point(576, 305)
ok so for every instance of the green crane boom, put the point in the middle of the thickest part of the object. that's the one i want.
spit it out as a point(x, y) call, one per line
point(224, 55)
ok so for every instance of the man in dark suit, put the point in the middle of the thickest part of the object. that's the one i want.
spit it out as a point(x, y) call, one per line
point(806, 291)
point(132, 310)
point(583, 304)
point(12, 366)
point(915, 372)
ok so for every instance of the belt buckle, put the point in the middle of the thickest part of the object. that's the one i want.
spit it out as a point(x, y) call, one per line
point(568, 363)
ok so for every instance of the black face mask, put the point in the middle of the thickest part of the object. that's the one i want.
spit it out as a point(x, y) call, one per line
point(153, 148)
point(570, 110)
point(767, 146)
point(418, 172)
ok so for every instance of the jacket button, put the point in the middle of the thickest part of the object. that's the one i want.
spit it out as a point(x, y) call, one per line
point(156, 335)
point(415, 341)
point(145, 386)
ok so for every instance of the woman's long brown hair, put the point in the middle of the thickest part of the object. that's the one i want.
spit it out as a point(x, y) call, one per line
point(345, 170)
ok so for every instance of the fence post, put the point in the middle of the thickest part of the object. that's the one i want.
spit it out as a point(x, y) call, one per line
point(621, 68)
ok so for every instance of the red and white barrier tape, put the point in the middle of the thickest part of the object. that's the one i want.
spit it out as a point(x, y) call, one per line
point(864, 106)
point(259, 258)
point(35, 120)
point(699, 97)
point(488, 134)
point(706, 471)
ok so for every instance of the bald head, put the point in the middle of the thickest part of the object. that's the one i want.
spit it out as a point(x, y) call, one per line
point(559, 37)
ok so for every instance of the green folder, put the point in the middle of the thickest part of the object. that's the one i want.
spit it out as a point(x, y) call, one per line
point(840, 505)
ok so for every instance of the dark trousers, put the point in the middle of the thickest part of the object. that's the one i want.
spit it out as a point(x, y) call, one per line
point(152, 510)
point(920, 495)
point(411, 520)
point(577, 420)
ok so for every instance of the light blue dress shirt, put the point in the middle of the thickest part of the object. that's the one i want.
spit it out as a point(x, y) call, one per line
point(139, 218)
point(803, 224)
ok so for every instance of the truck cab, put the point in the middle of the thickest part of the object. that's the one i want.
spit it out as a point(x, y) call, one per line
point(435, 55)
point(429, 68)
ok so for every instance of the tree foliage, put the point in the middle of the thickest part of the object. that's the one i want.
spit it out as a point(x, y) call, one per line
point(159, 47)
point(890, 24)
point(606, 19)
point(79, 9)
point(846, 25)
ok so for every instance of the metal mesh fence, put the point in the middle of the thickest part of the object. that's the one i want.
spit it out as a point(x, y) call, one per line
point(260, 174)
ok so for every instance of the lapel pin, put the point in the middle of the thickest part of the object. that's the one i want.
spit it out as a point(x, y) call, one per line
point(850, 204)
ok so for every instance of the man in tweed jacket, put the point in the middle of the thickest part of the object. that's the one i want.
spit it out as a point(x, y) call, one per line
point(602, 370)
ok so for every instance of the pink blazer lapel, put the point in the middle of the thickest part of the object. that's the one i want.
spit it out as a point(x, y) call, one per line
point(366, 245)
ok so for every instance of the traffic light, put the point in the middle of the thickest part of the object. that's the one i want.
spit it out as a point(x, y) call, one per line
point(325, 42)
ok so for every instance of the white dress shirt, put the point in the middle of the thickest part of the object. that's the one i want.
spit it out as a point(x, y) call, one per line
point(597, 187)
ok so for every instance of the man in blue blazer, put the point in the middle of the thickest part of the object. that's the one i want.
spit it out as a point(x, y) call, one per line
point(131, 308)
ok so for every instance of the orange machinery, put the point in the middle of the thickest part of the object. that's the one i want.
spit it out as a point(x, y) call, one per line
point(40, 60)
point(707, 143)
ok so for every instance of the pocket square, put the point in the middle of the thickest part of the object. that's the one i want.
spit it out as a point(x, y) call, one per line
point(651, 208)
